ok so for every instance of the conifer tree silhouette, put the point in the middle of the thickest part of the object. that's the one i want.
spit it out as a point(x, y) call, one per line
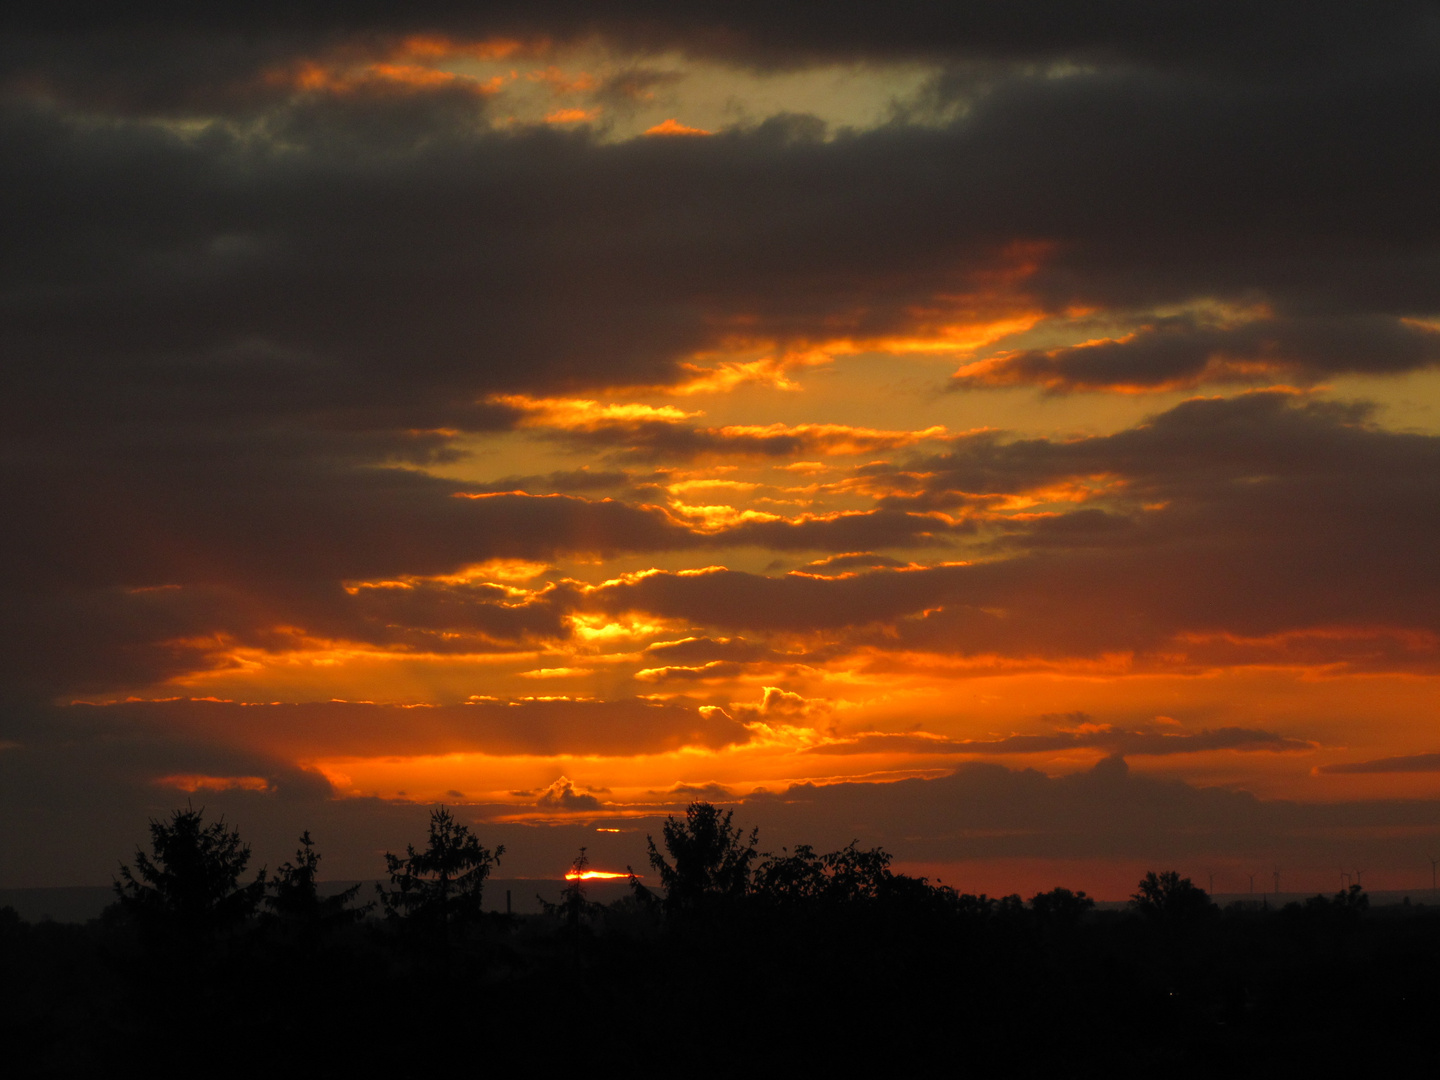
point(189, 891)
point(443, 884)
point(295, 899)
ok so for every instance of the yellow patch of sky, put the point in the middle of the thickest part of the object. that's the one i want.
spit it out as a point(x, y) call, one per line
point(1406, 402)
point(625, 95)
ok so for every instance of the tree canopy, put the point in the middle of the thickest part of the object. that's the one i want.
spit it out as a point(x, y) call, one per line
point(802, 877)
point(711, 856)
point(444, 883)
point(1168, 898)
point(190, 887)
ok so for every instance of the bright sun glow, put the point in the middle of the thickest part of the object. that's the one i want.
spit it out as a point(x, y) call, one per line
point(597, 875)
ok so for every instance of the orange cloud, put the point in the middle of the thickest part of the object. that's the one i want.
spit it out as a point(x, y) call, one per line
point(729, 374)
point(412, 62)
point(586, 414)
point(572, 116)
point(191, 783)
point(432, 46)
point(563, 795)
point(317, 78)
point(1103, 738)
point(665, 429)
point(674, 127)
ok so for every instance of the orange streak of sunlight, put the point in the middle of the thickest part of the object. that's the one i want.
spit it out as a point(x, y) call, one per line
point(596, 875)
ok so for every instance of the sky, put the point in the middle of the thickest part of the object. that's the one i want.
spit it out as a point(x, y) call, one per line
point(1004, 433)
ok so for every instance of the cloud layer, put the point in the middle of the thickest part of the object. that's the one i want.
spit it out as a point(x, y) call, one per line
point(449, 356)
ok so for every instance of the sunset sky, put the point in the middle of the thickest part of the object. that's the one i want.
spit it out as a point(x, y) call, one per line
point(1007, 433)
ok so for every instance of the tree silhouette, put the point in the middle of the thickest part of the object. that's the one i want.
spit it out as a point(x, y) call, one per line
point(1062, 907)
point(802, 878)
point(573, 905)
point(792, 878)
point(295, 900)
point(1343, 911)
point(190, 890)
point(712, 858)
point(1169, 898)
point(444, 883)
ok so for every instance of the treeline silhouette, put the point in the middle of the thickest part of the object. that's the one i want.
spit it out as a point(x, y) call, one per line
point(799, 959)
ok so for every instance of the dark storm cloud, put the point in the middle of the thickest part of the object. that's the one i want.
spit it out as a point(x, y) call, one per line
point(137, 760)
point(160, 561)
point(450, 617)
point(562, 795)
point(570, 481)
point(1181, 351)
point(79, 786)
point(702, 658)
point(1219, 35)
point(236, 546)
point(1206, 450)
point(68, 780)
point(735, 599)
point(837, 565)
point(1407, 763)
point(378, 259)
point(50, 836)
point(845, 532)
point(984, 810)
point(1127, 743)
point(224, 340)
point(391, 268)
point(362, 729)
point(712, 792)
point(703, 650)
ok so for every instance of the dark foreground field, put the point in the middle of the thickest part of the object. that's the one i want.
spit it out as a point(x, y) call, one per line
point(994, 985)
point(741, 963)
